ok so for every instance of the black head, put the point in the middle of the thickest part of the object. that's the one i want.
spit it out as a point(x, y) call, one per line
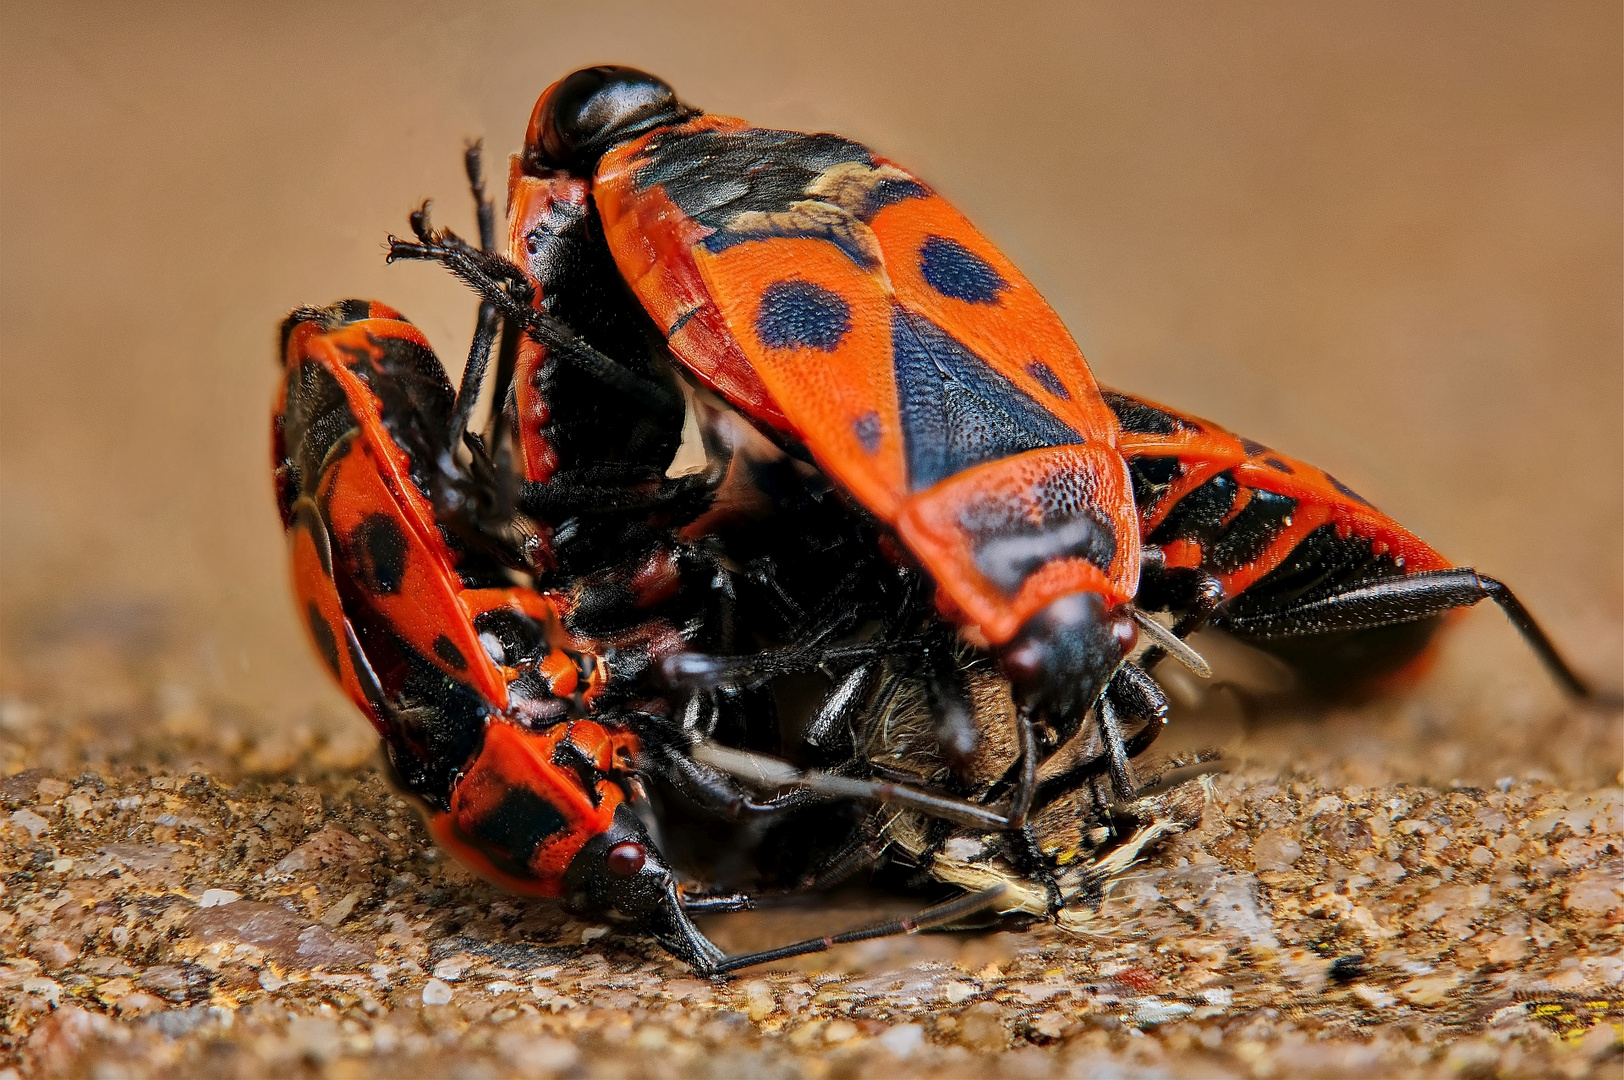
point(1062, 658)
point(619, 874)
point(587, 112)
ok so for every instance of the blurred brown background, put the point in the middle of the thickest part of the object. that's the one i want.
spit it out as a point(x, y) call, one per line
point(1383, 237)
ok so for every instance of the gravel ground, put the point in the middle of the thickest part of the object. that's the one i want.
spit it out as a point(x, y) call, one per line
point(187, 894)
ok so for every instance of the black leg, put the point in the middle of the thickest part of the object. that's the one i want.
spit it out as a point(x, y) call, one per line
point(1206, 594)
point(504, 285)
point(473, 165)
point(714, 792)
point(768, 772)
point(473, 373)
point(1029, 859)
point(567, 493)
point(932, 916)
point(479, 354)
point(1138, 696)
point(1123, 783)
point(1131, 694)
point(1406, 599)
point(831, 729)
point(717, 905)
point(694, 670)
point(1026, 781)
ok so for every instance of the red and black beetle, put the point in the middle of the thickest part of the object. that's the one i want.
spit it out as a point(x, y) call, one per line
point(856, 318)
point(479, 694)
point(863, 325)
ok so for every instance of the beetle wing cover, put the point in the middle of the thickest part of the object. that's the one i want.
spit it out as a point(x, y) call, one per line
point(358, 455)
point(898, 345)
point(1266, 503)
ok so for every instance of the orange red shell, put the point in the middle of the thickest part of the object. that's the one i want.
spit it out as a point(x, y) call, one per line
point(1205, 450)
point(532, 799)
point(868, 321)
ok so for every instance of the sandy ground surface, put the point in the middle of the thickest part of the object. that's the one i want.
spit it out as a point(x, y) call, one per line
point(192, 901)
point(1386, 239)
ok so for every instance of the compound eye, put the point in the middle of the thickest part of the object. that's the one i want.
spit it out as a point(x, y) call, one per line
point(626, 858)
point(1126, 634)
point(1025, 663)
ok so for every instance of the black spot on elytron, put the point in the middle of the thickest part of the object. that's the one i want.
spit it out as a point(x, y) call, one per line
point(326, 640)
point(379, 548)
point(447, 650)
point(1138, 417)
point(956, 410)
point(432, 724)
point(957, 272)
point(867, 430)
point(1047, 379)
point(1252, 531)
point(1251, 447)
point(798, 314)
point(521, 822)
point(1277, 465)
point(1348, 491)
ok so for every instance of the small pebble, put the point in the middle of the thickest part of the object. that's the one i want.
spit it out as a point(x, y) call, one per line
point(1374, 997)
point(981, 1027)
point(759, 1000)
point(218, 898)
point(1151, 1011)
point(30, 823)
point(903, 1040)
point(436, 992)
point(839, 1031)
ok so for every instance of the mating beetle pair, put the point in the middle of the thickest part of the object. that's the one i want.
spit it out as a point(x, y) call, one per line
point(862, 325)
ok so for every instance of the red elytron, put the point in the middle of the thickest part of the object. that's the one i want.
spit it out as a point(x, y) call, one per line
point(851, 312)
point(359, 516)
point(1284, 556)
point(473, 685)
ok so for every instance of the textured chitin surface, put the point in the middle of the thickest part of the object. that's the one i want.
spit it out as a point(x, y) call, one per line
point(913, 360)
point(1275, 532)
point(532, 799)
point(469, 686)
point(361, 416)
point(1237, 509)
